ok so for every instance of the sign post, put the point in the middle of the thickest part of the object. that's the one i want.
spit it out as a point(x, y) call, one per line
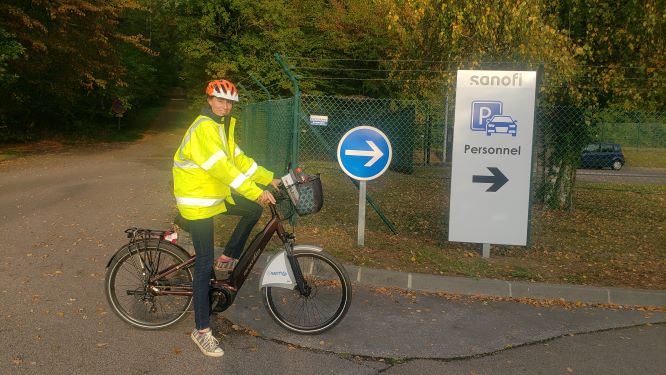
point(118, 110)
point(364, 153)
point(492, 157)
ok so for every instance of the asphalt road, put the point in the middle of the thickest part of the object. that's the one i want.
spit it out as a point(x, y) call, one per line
point(63, 216)
point(627, 175)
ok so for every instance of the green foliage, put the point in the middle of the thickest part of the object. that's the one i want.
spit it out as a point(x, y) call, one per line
point(10, 50)
point(75, 62)
point(620, 46)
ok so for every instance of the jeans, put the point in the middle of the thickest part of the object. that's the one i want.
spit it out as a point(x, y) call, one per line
point(203, 238)
point(249, 213)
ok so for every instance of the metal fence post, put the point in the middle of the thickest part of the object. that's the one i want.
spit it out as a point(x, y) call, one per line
point(446, 127)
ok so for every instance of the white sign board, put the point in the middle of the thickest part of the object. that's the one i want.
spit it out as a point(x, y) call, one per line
point(492, 157)
point(318, 120)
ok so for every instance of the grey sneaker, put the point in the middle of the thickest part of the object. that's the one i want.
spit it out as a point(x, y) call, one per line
point(207, 343)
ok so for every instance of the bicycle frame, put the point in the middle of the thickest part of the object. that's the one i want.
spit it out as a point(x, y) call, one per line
point(245, 264)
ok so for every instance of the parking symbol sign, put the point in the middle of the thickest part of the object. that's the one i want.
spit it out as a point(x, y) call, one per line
point(482, 111)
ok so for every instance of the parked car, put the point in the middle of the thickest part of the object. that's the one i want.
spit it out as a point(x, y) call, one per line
point(602, 155)
point(501, 124)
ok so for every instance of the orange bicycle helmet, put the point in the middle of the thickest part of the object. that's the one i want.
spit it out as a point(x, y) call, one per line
point(221, 88)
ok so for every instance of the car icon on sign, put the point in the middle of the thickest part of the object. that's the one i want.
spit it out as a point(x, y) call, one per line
point(501, 124)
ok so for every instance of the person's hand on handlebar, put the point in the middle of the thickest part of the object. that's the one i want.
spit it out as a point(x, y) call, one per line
point(276, 183)
point(266, 197)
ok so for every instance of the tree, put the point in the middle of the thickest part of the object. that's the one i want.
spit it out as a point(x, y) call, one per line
point(69, 65)
point(620, 48)
point(235, 38)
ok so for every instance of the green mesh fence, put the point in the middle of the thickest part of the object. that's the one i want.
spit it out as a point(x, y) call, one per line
point(264, 132)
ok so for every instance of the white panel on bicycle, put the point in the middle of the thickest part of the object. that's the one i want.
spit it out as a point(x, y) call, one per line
point(278, 273)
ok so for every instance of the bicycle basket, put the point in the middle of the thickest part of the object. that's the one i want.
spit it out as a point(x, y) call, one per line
point(309, 197)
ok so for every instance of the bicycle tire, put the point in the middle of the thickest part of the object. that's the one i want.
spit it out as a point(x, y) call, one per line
point(324, 307)
point(126, 288)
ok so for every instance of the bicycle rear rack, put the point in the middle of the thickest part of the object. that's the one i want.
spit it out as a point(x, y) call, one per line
point(141, 234)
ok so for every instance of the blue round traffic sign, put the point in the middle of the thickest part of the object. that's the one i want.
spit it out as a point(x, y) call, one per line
point(364, 153)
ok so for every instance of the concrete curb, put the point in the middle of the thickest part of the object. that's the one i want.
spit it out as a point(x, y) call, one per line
point(502, 288)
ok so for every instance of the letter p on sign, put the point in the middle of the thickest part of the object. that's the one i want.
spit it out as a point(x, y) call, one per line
point(482, 111)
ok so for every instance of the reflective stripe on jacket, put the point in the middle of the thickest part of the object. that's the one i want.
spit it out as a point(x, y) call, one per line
point(208, 164)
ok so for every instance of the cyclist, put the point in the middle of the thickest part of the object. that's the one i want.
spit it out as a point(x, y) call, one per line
point(206, 167)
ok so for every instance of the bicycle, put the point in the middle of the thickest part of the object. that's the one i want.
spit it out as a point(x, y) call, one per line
point(148, 281)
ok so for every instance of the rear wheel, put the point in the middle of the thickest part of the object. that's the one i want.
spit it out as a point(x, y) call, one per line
point(137, 302)
point(323, 304)
point(617, 165)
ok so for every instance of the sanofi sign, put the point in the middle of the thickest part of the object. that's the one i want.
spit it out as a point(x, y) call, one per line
point(492, 157)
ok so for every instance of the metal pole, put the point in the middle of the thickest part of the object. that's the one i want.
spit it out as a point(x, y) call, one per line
point(361, 213)
point(485, 250)
point(428, 134)
point(446, 126)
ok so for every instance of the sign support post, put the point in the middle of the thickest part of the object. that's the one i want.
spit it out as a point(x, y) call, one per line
point(361, 213)
point(485, 250)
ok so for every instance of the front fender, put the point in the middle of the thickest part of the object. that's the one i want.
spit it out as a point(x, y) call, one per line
point(308, 247)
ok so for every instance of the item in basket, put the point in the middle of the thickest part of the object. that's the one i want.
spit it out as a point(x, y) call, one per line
point(300, 176)
point(289, 182)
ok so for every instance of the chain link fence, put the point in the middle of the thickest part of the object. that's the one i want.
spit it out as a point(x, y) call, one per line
point(575, 149)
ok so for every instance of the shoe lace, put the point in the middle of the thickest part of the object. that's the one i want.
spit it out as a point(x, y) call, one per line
point(210, 341)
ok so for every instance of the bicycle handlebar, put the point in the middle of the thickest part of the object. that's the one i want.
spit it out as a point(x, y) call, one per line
point(280, 194)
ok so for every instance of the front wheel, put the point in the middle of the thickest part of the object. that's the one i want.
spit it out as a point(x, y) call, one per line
point(323, 304)
point(617, 165)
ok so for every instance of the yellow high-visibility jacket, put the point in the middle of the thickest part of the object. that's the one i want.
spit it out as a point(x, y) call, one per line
point(208, 164)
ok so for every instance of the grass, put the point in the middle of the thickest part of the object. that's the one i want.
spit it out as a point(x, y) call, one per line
point(645, 157)
point(614, 236)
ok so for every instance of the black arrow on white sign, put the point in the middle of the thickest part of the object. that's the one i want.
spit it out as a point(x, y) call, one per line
point(498, 179)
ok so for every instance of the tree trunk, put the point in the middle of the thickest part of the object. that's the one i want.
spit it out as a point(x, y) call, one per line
point(558, 185)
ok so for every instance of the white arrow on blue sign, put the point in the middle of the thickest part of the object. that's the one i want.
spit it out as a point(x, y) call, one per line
point(364, 153)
